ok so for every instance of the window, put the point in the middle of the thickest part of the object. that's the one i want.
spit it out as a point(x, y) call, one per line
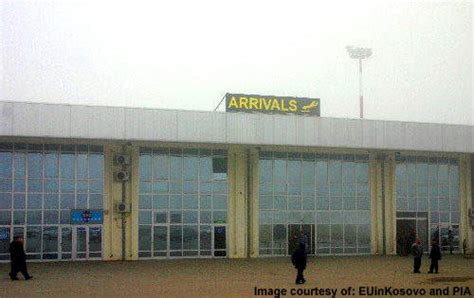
point(182, 193)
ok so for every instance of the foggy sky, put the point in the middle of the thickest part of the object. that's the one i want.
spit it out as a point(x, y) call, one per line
point(188, 54)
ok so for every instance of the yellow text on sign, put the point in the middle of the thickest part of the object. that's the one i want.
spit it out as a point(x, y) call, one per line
point(261, 103)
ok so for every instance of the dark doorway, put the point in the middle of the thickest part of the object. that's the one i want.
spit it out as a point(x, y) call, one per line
point(219, 241)
point(406, 235)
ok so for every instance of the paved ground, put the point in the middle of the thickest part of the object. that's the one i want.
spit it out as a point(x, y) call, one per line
point(229, 278)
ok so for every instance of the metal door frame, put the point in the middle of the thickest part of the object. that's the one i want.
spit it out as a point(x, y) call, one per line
point(74, 251)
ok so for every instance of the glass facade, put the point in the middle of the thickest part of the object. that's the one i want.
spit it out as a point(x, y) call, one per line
point(39, 185)
point(428, 195)
point(325, 196)
point(182, 202)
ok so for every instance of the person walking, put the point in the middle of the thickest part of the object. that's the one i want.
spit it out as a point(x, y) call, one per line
point(299, 258)
point(18, 259)
point(304, 239)
point(435, 256)
point(417, 252)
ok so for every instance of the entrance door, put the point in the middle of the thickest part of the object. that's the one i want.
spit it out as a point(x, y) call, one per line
point(294, 236)
point(87, 242)
point(220, 243)
point(406, 235)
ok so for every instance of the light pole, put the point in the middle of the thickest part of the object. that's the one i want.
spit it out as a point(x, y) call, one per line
point(359, 53)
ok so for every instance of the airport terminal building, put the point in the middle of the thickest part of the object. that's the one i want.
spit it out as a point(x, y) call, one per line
point(112, 183)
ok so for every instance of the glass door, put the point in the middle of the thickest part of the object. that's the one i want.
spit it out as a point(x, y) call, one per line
point(301, 232)
point(66, 243)
point(95, 242)
point(80, 246)
point(86, 242)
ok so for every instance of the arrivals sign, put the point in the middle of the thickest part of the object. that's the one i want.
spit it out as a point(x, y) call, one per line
point(272, 104)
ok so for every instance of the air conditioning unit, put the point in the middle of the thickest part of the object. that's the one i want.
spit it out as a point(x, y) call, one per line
point(123, 208)
point(121, 176)
point(122, 159)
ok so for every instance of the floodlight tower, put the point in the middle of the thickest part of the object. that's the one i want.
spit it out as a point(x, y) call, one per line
point(359, 53)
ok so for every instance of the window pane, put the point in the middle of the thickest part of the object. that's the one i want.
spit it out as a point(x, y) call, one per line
point(51, 165)
point(5, 164)
point(363, 235)
point(161, 217)
point(336, 236)
point(5, 217)
point(145, 217)
point(205, 168)
point(323, 235)
point(205, 202)
point(160, 238)
point(175, 217)
point(51, 217)
point(67, 166)
point(33, 239)
point(35, 201)
point(34, 217)
point(5, 200)
point(176, 168)
point(161, 167)
point(265, 236)
point(350, 233)
point(18, 218)
point(219, 168)
point(176, 202)
point(219, 216)
point(50, 239)
point(176, 237)
point(82, 171)
point(190, 202)
point(145, 167)
point(190, 217)
point(96, 166)
point(67, 201)
point(190, 237)
point(205, 237)
point(19, 162)
point(144, 238)
point(145, 201)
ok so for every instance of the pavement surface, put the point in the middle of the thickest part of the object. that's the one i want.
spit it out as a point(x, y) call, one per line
point(325, 277)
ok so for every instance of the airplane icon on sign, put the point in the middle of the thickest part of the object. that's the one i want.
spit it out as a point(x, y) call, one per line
point(311, 105)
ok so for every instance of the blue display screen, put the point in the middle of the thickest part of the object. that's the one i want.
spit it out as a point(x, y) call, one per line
point(87, 216)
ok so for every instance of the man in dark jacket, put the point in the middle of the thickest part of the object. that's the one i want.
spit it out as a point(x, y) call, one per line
point(417, 252)
point(298, 258)
point(18, 259)
point(435, 255)
point(450, 241)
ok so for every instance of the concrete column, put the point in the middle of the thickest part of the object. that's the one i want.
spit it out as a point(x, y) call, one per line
point(390, 205)
point(112, 245)
point(376, 226)
point(133, 190)
point(254, 203)
point(112, 236)
point(237, 165)
point(466, 198)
